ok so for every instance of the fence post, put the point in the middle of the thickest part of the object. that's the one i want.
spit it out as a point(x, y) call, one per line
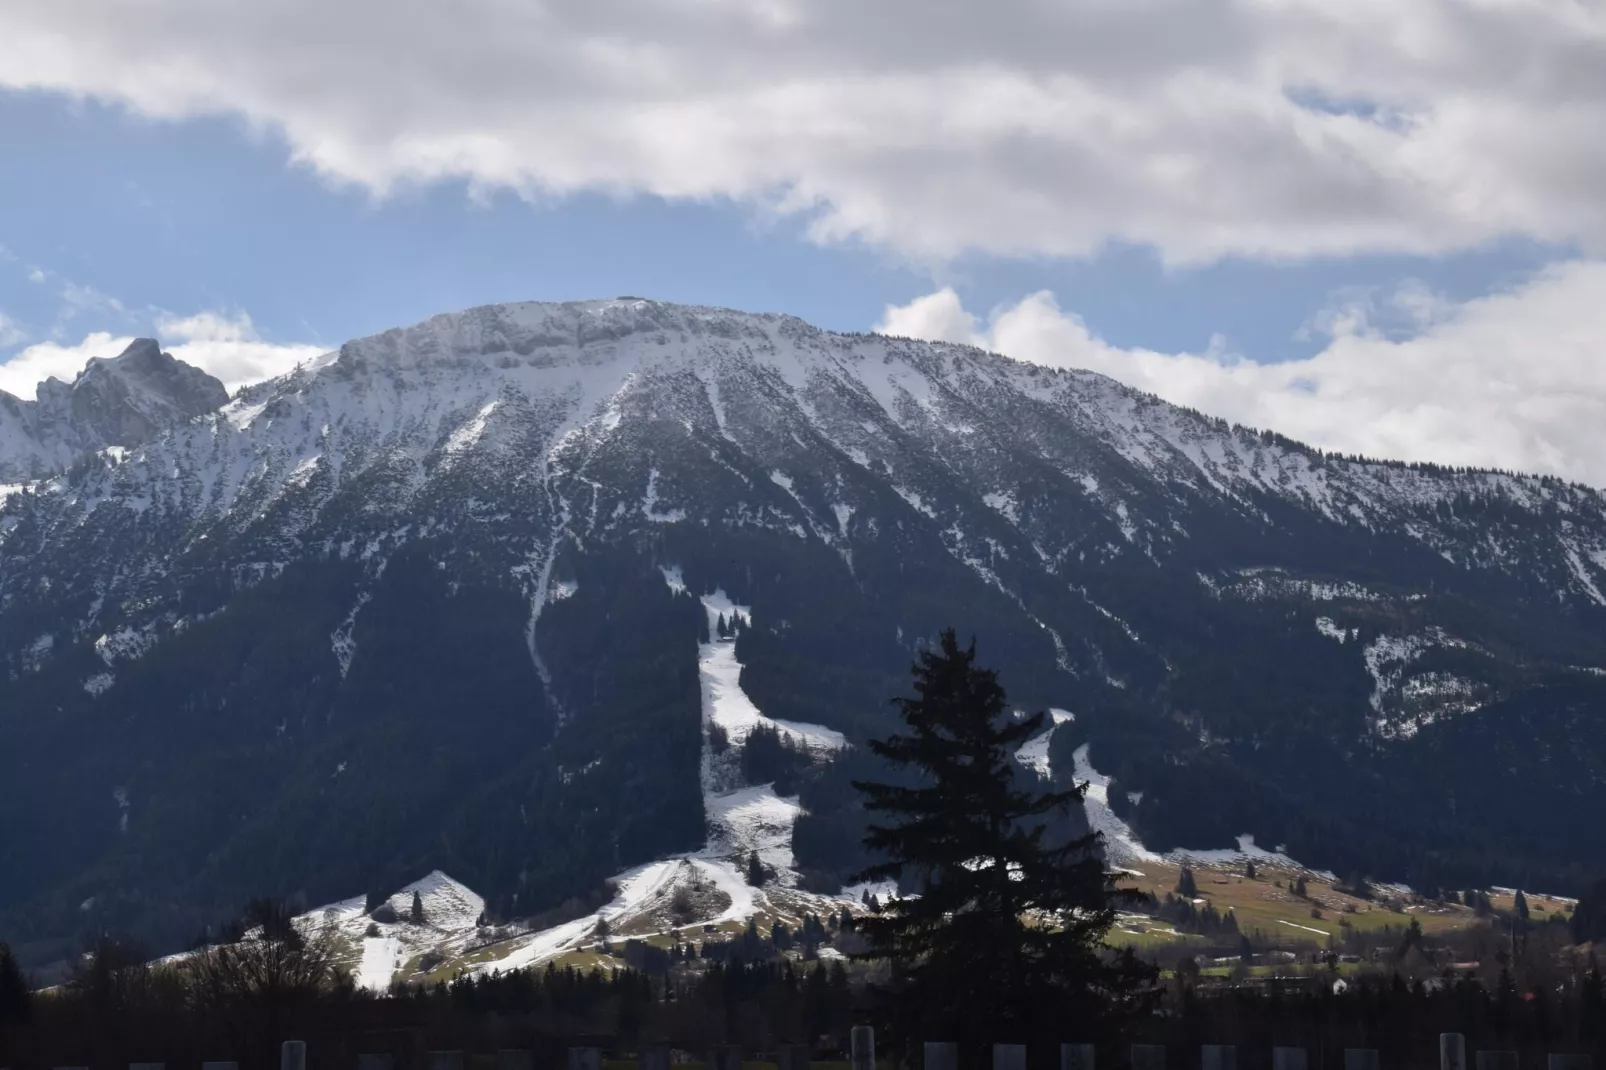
point(1362, 1059)
point(1148, 1057)
point(1496, 1060)
point(941, 1055)
point(1009, 1057)
point(1452, 1051)
point(1565, 1061)
point(293, 1055)
point(1219, 1057)
point(863, 1045)
point(1076, 1057)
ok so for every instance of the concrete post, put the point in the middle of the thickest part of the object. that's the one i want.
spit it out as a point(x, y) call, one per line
point(1563, 1061)
point(586, 1059)
point(942, 1055)
point(515, 1059)
point(1219, 1057)
point(863, 1041)
point(1496, 1060)
point(443, 1060)
point(1009, 1057)
point(789, 1057)
point(1362, 1059)
point(1452, 1051)
point(293, 1055)
point(1076, 1057)
point(1289, 1059)
point(1148, 1057)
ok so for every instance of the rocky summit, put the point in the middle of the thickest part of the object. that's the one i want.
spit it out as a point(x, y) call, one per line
point(120, 401)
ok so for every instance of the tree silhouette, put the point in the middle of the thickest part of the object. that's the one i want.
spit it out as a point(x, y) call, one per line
point(15, 1001)
point(1002, 940)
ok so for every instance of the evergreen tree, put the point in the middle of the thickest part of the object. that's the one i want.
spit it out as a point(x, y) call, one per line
point(15, 1000)
point(1520, 907)
point(1249, 869)
point(417, 915)
point(756, 873)
point(1300, 888)
point(1001, 940)
point(1413, 938)
point(1187, 887)
point(1589, 916)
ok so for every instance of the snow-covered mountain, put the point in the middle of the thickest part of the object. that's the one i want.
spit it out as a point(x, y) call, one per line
point(407, 607)
point(120, 401)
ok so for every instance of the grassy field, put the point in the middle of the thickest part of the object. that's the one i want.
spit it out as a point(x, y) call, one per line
point(1267, 908)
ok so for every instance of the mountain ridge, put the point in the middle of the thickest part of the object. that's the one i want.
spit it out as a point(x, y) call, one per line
point(419, 583)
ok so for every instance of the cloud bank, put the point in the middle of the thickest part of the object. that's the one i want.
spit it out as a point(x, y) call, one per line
point(1514, 380)
point(1207, 128)
point(223, 344)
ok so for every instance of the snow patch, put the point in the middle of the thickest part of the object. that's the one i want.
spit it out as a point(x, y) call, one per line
point(649, 504)
point(1003, 503)
point(125, 644)
point(673, 578)
point(341, 641)
point(1033, 754)
point(916, 502)
point(381, 957)
point(1246, 850)
point(99, 684)
point(1121, 844)
point(1328, 627)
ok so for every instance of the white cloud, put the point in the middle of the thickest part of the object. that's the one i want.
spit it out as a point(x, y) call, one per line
point(229, 347)
point(1514, 380)
point(225, 345)
point(22, 373)
point(1282, 128)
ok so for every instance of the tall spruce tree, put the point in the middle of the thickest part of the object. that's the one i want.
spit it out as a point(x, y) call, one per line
point(1001, 940)
point(15, 1002)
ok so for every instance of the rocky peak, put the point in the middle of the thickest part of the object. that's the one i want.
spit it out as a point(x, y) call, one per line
point(126, 400)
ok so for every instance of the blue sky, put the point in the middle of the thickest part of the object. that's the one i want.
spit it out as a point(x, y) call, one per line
point(207, 214)
point(1389, 248)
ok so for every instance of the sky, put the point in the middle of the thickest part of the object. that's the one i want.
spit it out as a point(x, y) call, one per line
point(1376, 226)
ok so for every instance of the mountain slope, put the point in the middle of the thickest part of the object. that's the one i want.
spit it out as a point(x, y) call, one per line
point(405, 609)
point(124, 401)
